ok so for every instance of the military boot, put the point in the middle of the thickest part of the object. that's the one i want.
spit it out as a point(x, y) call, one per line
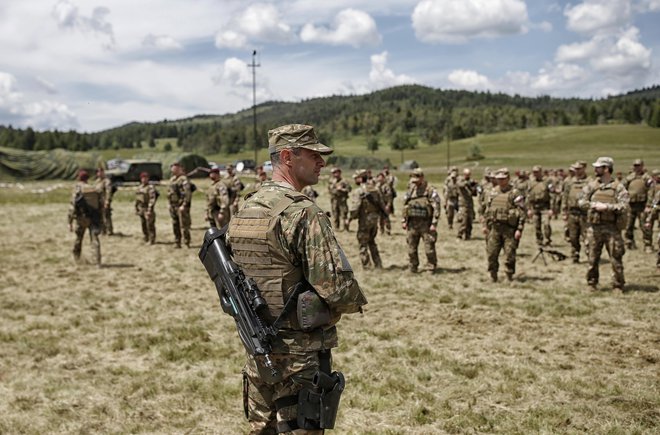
point(493, 276)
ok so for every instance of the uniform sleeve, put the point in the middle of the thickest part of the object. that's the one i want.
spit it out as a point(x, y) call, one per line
point(354, 207)
point(622, 200)
point(187, 192)
point(222, 197)
point(435, 205)
point(325, 264)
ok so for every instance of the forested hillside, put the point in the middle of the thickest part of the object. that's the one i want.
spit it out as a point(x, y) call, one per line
point(417, 112)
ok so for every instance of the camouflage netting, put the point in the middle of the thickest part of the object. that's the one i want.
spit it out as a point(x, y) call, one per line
point(45, 165)
point(188, 161)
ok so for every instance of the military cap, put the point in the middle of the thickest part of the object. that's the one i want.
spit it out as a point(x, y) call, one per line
point(638, 162)
point(83, 175)
point(502, 173)
point(603, 161)
point(580, 164)
point(537, 168)
point(360, 173)
point(416, 173)
point(144, 174)
point(573, 167)
point(214, 171)
point(335, 169)
point(452, 169)
point(655, 172)
point(295, 136)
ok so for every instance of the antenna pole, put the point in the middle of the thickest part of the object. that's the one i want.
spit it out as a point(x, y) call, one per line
point(254, 66)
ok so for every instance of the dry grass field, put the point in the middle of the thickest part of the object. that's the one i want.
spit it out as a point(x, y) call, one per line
point(140, 345)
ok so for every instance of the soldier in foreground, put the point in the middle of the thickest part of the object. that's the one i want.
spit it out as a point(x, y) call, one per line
point(505, 220)
point(145, 207)
point(574, 216)
point(421, 212)
point(641, 187)
point(338, 188)
point(217, 201)
point(85, 211)
point(105, 187)
point(368, 208)
point(606, 202)
point(281, 239)
point(179, 194)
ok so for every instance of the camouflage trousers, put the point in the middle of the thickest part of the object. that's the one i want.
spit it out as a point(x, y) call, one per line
point(609, 237)
point(180, 225)
point(339, 211)
point(542, 229)
point(577, 234)
point(216, 220)
point(385, 225)
point(82, 225)
point(295, 372)
point(501, 236)
point(451, 209)
point(637, 215)
point(419, 229)
point(106, 217)
point(366, 237)
point(464, 218)
point(148, 226)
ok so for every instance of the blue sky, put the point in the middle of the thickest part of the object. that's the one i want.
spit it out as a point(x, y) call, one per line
point(96, 64)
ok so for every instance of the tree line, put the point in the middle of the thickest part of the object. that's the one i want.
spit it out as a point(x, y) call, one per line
point(411, 111)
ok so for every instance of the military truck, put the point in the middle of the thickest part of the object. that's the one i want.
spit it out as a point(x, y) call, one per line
point(130, 170)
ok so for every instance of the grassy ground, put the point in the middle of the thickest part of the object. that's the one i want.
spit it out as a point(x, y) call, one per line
point(141, 345)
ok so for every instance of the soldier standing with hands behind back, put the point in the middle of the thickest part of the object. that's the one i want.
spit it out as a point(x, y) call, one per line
point(338, 188)
point(179, 194)
point(367, 207)
point(641, 187)
point(145, 207)
point(281, 239)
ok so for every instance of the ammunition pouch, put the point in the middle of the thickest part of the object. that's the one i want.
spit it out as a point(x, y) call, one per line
point(318, 406)
point(418, 210)
point(312, 311)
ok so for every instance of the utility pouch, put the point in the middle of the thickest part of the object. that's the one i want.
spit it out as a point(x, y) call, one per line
point(312, 311)
point(317, 407)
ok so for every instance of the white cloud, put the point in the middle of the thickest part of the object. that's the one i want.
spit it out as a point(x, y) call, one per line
point(382, 77)
point(558, 77)
point(37, 114)
point(350, 27)
point(579, 51)
point(258, 22)
point(468, 79)
point(457, 21)
point(67, 16)
point(592, 16)
point(237, 79)
point(649, 5)
point(161, 42)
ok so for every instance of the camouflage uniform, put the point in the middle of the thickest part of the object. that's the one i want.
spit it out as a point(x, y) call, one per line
point(339, 190)
point(391, 180)
point(386, 192)
point(280, 238)
point(367, 207)
point(450, 194)
point(605, 227)
point(576, 218)
point(179, 194)
point(653, 216)
point(310, 193)
point(505, 215)
point(556, 194)
point(104, 186)
point(538, 203)
point(421, 210)
point(234, 187)
point(85, 218)
point(145, 207)
point(217, 204)
point(466, 188)
point(641, 188)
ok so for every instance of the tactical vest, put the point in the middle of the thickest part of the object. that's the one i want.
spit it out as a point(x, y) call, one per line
point(637, 190)
point(539, 194)
point(257, 250)
point(501, 210)
point(175, 191)
point(91, 195)
point(606, 195)
point(419, 206)
point(575, 191)
point(370, 206)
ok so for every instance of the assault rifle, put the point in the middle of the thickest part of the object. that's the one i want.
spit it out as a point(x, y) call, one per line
point(556, 255)
point(239, 296)
point(369, 197)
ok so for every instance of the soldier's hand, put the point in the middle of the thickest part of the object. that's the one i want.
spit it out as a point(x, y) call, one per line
point(404, 225)
point(182, 208)
point(517, 235)
point(551, 213)
point(647, 225)
point(565, 216)
point(432, 228)
point(599, 206)
point(530, 213)
point(485, 230)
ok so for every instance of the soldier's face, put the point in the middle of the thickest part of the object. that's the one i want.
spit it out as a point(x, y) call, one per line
point(306, 166)
point(638, 168)
point(599, 170)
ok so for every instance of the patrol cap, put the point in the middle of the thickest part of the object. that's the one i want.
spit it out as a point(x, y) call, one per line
point(573, 167)
point(360, 173)
point(537, 168)
point(83, 175)
point(655, 172)
point(638, 162)
point(580, 164)
point(416, 173)
point(214, 171)
point(603, 161)
point(295, 136)
point(144, 174)
point(335, 169)
point(502, 173)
